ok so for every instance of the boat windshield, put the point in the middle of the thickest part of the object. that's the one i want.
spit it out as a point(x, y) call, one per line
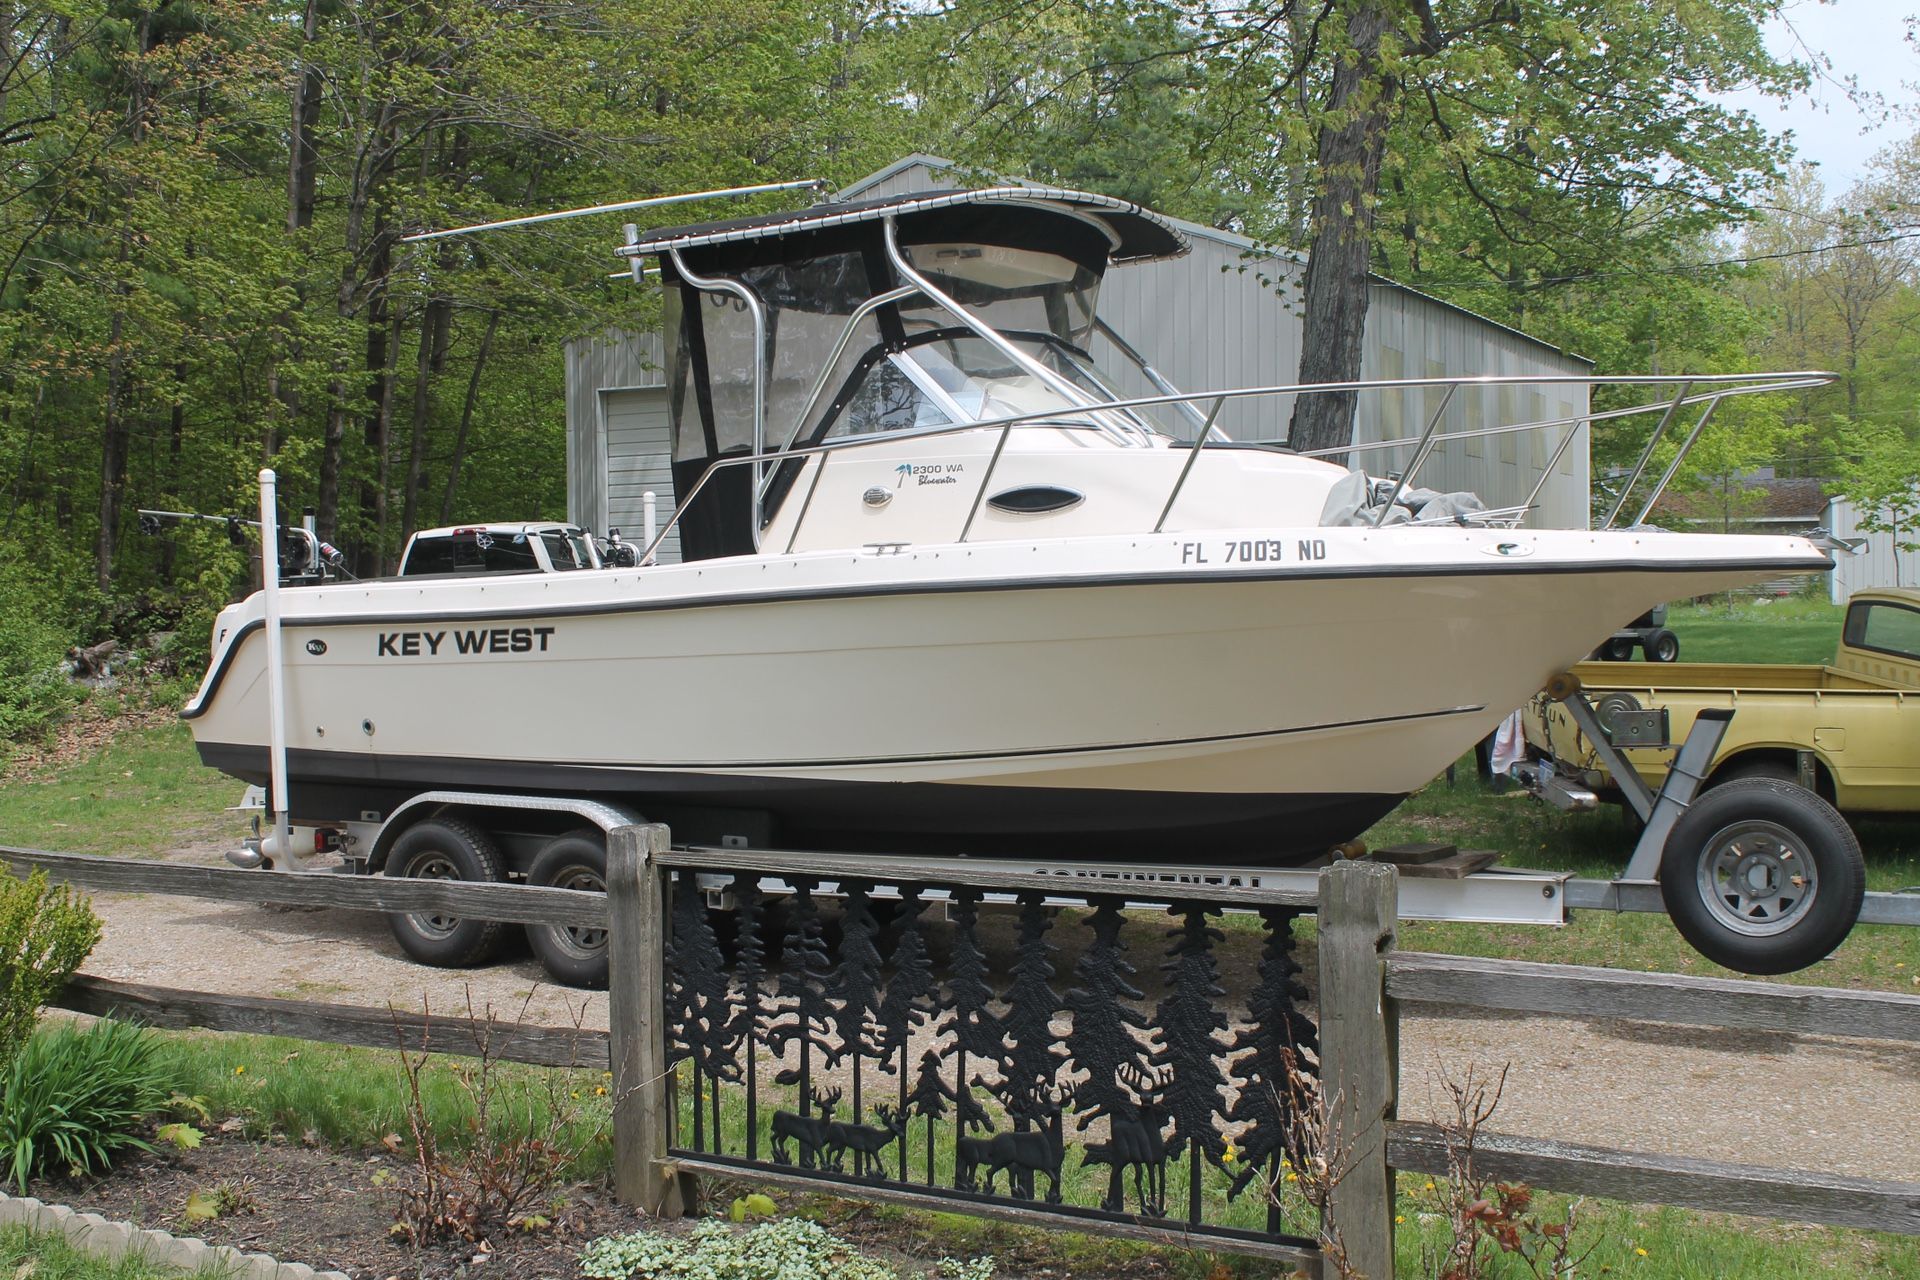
point(948, 376)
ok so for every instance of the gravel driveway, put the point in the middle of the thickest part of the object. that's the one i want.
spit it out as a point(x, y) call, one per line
point(1842, 1106)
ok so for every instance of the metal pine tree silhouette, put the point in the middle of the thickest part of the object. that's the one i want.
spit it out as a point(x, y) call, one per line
point(857, 984)
point(1191, 1027)
point(974, 1028)
point(1110, 1037)
point(750, 969)
point(805, 1014)
point(909, 1001)
point(1266, 1055)
point(703, 1007)
point(1031, 1056)
point(929, 1097)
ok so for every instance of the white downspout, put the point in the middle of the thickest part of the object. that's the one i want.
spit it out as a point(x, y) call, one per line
point(281, 846)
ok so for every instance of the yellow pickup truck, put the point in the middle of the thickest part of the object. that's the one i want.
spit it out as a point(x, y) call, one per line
point(1849, 731)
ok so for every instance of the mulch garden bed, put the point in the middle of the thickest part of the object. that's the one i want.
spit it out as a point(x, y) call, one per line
point(333, 1211)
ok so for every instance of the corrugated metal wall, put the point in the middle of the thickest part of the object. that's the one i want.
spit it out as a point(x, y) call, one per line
point(595, 367)
point(1222, 318)
point(1882, 564)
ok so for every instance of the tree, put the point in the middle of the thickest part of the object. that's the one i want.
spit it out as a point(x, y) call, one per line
point(857, 984)
point(1031, 1056)
point(1191, 1027)
point(705, 1026)
point(805, 1014)
point(1558, 129)
point(1109, 1032)
point(909, 1001)
point(1269, 1055)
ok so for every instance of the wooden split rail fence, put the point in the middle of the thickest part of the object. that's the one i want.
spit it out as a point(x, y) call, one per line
point(1363, 982)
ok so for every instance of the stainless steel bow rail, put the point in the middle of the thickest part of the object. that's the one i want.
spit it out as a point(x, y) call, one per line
point(731, 1064)
point(1704, 392)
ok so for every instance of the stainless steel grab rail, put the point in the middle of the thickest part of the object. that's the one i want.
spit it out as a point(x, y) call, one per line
point(1724, 387)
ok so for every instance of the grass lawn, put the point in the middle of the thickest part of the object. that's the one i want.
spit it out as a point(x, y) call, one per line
point(1789, 629)
point(140, 792)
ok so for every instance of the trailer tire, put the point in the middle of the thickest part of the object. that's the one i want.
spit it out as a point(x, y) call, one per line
point(1662, 646)
point(1762, 876)
point(573, 955)
point(445, 849)
point(1617, 650)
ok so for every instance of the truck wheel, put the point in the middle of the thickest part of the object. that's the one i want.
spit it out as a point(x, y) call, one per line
point(1617, 650)
point(574, 955)
point(1762, 876)
point(445, 849)
point(1662, 646)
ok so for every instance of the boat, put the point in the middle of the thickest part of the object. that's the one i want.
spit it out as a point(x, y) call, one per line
point(946, 588)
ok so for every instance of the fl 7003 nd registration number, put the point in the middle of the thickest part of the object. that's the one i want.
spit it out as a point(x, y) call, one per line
point(1251, 551)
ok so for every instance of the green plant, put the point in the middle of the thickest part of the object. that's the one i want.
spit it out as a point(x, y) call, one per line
point(34, 689)
point(714, 1251)
point(45, 933)
point(224, 1199)
point(76, 1095)
point(980, 1268)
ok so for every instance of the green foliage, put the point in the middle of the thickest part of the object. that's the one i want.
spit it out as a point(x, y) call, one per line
point(46, 931)
point(980, 1268)
point(1883, 480)
point(77, 1095)
point(789, 1249)
point(754, 1205)
point(34, 689)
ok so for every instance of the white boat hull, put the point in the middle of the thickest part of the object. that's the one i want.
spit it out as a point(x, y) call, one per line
point(1240, 695)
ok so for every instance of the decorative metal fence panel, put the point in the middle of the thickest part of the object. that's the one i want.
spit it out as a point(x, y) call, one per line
point(1080, 1059)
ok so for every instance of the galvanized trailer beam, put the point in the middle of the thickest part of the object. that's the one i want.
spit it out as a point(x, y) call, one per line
point(1495, 896)
point(1644, 895)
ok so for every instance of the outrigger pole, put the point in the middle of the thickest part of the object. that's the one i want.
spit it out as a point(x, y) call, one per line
point(282, 846)
point(651, 202)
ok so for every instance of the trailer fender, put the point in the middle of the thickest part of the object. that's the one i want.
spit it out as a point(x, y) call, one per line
point(427, 804)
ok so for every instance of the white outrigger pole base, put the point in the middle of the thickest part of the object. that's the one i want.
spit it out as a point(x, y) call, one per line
point(280, 844)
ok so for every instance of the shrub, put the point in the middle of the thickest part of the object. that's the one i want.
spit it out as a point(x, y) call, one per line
point(34, 689)
point(790, 1247)
point(45, 933)
point(76, 1095)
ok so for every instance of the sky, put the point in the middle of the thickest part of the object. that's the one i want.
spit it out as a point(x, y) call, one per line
point(1866, 39)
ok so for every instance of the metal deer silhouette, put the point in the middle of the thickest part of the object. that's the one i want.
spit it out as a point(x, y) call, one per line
point(1021, 1155)
point(1135, 1140)
point(808, 1133)
point(865, 1141)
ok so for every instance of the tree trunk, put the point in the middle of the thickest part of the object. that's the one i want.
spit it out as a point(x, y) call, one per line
point(1350, 146)
point(303, 160)
point(434, 326)
point(304, 157)
point(113, 453)
point(466, 419)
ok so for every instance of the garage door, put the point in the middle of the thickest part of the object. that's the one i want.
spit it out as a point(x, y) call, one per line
point(639, 453)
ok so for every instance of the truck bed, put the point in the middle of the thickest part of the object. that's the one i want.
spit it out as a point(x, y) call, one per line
point(1738, 676)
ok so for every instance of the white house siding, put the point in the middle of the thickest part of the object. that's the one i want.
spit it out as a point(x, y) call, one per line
point(1881, 564)
point(1215, 319)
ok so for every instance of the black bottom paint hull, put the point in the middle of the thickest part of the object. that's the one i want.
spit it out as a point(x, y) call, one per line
point(1273, 829)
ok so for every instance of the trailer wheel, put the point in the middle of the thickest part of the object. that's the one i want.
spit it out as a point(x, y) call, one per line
point(1662, 646)
point(575, 955)
point(1617, 650)
point(445, 849)
point(1762, 876)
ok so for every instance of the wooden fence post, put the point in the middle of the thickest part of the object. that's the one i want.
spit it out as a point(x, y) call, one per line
point(1359, 1058)
point(643, 1095)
